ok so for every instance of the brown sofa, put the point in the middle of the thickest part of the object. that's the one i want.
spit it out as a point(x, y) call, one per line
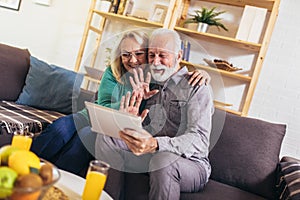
point(244, 152)
point(245, 164)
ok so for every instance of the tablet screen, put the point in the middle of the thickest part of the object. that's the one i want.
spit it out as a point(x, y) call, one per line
point(109, 121)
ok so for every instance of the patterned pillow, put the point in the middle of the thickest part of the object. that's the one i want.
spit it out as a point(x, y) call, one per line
point(288, 181)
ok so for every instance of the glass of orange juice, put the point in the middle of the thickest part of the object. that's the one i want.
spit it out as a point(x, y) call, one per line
point(22, 139)
point(95, 180)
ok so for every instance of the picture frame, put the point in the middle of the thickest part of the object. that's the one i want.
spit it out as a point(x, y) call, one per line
point(159, 13)
point(10, 4)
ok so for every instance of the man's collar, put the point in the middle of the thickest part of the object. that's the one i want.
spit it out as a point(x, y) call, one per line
point(179, 74)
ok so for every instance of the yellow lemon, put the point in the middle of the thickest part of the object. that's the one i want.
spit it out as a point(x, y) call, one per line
point(24, 161)
point(5, 152)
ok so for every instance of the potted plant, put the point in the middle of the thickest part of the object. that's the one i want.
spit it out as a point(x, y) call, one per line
point(206, 17)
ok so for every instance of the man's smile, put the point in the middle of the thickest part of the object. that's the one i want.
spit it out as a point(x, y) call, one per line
point(158, 71)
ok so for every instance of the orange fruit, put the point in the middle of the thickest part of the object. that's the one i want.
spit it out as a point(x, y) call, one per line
point(25, 196)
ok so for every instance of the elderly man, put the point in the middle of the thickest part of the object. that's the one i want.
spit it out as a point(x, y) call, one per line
point(178, 125)
point(179, 121)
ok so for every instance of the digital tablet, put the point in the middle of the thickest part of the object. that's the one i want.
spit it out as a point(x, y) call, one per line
point(109, 121)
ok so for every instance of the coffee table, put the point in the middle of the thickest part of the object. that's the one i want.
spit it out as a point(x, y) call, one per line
point(72, 185)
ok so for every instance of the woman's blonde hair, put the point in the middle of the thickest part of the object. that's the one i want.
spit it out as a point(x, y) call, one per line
point(117, 67)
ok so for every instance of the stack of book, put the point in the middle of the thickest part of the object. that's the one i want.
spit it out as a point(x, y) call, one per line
point(122, 7)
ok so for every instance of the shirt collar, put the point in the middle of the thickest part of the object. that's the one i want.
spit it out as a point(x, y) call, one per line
point(179, 74)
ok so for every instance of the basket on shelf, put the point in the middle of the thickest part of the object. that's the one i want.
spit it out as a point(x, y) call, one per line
point(221, 64)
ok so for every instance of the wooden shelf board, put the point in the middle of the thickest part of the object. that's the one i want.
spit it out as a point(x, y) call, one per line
point(228, 110)
point(95, 29)
point(241, 3)
point(223, 104)
point(214, 70)
point(221, 39)
point(127, 19)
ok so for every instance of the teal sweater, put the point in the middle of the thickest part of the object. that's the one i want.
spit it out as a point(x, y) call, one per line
point(110, 91)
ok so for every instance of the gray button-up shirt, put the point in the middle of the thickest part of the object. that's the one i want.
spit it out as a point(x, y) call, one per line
point(180, 117)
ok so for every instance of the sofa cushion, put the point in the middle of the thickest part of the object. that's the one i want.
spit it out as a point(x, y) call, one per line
point(247, 153)
point(14, 65)
point(50, 87)
point(137, 188)
point(216, 190)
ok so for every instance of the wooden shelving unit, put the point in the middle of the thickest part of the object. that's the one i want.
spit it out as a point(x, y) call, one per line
point(176, 12)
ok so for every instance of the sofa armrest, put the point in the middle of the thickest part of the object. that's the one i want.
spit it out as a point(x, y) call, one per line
point(288, 179)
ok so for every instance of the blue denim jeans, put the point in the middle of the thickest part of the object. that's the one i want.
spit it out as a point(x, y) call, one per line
point(62, 143)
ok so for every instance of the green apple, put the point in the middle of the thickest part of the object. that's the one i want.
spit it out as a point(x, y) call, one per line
point(7, 179)
point(5, 152)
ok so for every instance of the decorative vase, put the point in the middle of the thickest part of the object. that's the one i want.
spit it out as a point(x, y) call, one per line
point(202, 27)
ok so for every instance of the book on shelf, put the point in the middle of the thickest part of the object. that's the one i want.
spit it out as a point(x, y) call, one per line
point(115, 6)
point(185, 47)
point(121, 7)
point(252, 23)
point(128, 7)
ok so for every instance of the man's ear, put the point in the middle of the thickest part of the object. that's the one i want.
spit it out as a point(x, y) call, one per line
point(179, 55)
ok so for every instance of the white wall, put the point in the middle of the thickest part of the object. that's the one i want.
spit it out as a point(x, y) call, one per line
point(51, 33)
point(277, 95)
point(54, 34)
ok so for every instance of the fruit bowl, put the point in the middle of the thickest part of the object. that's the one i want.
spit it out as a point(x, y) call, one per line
point(31, 192)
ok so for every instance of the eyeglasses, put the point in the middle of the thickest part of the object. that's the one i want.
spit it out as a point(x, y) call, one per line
point(136, 54)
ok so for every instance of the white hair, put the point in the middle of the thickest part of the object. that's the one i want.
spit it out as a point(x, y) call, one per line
point(173, 34)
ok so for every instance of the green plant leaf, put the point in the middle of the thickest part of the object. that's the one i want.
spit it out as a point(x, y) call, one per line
point(208, 16)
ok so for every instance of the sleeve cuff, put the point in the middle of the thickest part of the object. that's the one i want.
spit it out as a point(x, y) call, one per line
point(163, 143)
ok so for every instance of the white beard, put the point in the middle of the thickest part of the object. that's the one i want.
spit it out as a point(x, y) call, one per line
point(164, 74)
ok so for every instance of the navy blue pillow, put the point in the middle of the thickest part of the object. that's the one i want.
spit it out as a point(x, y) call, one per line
point(50, 87)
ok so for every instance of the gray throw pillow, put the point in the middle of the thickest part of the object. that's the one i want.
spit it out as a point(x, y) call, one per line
point(247, 153)
point(50, 87)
